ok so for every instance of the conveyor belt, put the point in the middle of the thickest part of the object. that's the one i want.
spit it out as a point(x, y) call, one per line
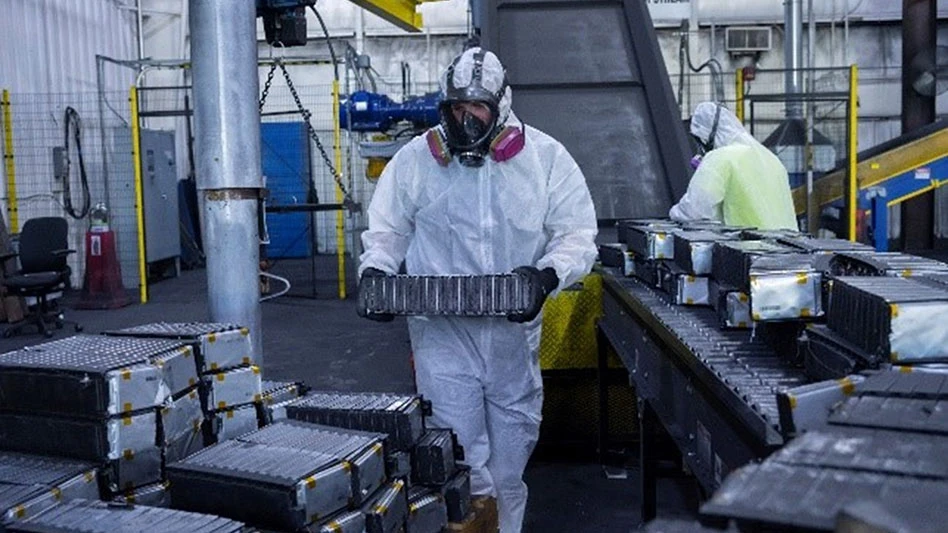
point(746, 374)
point(713, 390)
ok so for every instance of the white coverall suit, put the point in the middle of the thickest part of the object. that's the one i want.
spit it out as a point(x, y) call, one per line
point(482, 375)
point(740, 182)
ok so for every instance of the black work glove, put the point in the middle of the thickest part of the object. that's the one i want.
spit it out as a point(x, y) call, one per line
point(361, 309)
point(542, 283)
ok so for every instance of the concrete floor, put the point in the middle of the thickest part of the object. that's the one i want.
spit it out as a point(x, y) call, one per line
point(324, 344)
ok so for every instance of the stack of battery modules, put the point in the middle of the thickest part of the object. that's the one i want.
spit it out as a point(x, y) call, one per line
point(84, 516)
point(30, 484)
point(288, 475)
point(491, 295)
point(230, 386)
point(427, 460)
point(94, 398)
point(694, 250)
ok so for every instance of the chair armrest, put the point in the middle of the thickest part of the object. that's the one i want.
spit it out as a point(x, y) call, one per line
point(63, 252)
point(8, 255)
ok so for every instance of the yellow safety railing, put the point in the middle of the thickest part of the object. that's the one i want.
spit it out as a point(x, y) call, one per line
point(739, 94)
point(852, 155)
point(139, 200)
point(8, 162)
point(340, 216)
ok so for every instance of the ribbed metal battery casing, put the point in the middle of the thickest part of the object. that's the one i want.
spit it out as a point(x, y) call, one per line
point(489, 295)
point(435, 457)
point(751, 234)
point(268, 486)
point(651, 241)
point(457, 494)
point(398, 464)
point(180, 422)
point(217, 345)
point(125, 444)
point(233, 422)
point(612, 254)
point(90, 375)
point(814, 245)
point(275, 396)
point(773, 496)
point(684, 288)
point(231, 388)
point(42, 482)
point(884, 264)
point(731, 263)
point(694, 250)
point(342, 522)
point(900, 401)
point(427, 512)
point(891, 319)
point(623, 226)
point(387, 510)
point(84, 516)
point(829, 356)
point(805, 408)
point(399, 416)
point(869, 450)
point(784, 286)
point(154, 495)
point(362, 451)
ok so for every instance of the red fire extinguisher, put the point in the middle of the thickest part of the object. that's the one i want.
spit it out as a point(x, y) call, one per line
point(102, 286)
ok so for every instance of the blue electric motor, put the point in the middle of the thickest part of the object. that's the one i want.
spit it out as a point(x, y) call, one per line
point(377, 112)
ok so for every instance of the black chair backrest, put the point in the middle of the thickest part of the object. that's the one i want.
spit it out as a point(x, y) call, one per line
point(39, 239)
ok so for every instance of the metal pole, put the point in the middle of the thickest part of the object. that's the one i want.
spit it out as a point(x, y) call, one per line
point(100, 88)
point(141, 26)
point(919, 34)
point(793, 53)
point(227, 145)
point(852, 179)
point(812, 216)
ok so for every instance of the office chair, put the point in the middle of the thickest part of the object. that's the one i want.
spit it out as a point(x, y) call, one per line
point(43, 251)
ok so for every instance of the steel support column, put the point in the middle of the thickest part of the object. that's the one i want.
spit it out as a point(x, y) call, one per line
point(227, 146)
point(919, 29)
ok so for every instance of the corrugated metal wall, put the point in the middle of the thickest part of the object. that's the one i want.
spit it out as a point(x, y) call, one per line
point(48, 63)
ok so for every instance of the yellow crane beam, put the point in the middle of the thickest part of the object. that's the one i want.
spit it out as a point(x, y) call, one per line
point(402, 13)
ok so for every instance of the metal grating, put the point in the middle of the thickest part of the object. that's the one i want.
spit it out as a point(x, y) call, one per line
point(492, 295)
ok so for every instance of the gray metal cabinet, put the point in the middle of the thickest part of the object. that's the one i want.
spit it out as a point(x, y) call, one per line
point(160, 196)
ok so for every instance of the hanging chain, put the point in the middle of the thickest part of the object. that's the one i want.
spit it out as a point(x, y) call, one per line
point(266, 86)
point(347, 201)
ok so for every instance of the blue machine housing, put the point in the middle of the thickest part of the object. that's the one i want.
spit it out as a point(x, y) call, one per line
point(377, 112)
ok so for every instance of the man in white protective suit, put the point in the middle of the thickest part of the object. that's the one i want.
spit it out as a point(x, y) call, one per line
point(483, 193)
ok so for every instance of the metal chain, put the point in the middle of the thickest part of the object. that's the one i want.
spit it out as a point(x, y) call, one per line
point(347, 198)
point(266, 86)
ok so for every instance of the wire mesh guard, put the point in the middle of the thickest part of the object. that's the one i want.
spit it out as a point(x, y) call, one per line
point(491, 295)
